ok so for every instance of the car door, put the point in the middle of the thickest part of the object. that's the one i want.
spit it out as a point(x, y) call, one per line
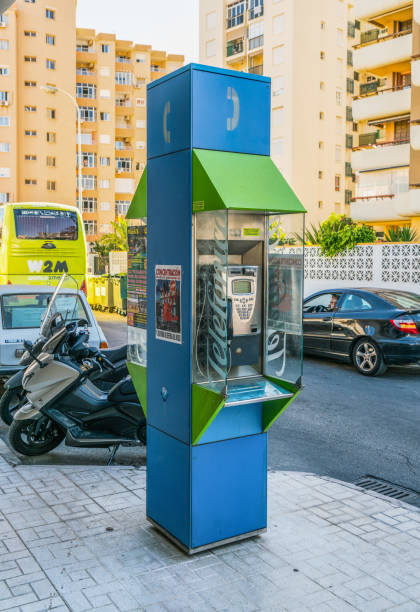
point(348, 321)
point(318, 321)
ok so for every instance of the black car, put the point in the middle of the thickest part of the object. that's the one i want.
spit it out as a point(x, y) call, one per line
point(371, 328)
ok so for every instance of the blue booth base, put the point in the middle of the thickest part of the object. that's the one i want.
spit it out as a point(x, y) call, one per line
point(207, 495)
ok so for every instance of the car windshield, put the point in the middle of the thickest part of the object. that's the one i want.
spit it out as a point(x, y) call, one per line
point(402, 299)
point(24, 311)
point(45, 224)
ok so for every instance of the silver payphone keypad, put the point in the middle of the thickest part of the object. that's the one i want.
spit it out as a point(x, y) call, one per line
point(244, 306)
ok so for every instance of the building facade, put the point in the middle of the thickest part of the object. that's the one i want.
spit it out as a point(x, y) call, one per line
point(40, 46)
point(387, 108)
point(304, 47)
point(37, 140)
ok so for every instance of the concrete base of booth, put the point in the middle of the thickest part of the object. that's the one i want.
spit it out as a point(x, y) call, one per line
point(193, 551)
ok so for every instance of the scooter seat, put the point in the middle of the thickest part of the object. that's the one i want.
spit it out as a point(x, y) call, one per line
point(116, 354)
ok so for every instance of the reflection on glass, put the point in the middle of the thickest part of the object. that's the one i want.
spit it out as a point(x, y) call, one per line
point(283, 358)
point(137, 291)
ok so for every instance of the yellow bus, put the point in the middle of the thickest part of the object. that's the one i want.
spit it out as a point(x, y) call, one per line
point(39, 241)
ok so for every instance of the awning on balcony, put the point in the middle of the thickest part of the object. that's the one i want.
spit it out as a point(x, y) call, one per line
point(376, 122)
point(240, 182)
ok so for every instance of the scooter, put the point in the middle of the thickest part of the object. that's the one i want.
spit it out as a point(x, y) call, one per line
point(63, 404)
point(14, 395)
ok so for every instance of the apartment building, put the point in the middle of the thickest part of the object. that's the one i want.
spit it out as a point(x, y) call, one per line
point(111, 79)
point(387, 108)
point(304, 47)
point(37, 140)
point(106, 77)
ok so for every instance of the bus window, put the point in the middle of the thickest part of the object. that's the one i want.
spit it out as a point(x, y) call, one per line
point(45, 224)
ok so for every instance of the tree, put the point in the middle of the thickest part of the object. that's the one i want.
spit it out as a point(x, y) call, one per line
point(113, 241)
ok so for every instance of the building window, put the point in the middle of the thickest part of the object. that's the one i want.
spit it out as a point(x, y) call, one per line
point(322, 85)
point(105, 228)
point(123, 164)
point(121, 207)
point(4, 98)
point(50, 185)
point(4, 20)
point(90, 227)
point(339, 97)
point(278, 146)
point(50, 162)
point(51, 113)
point(211, 21)
point(320, 145)
point(88, 160)
point(140, 123)
point(337, 181)
point(51, 137)
point(322, 55)
point(4, 70)
point(30, 33)
point(50, 39)
point(30, 1)
point(278, 24)
point(50, 64)
point(30, 109)
point(140, 102)
point(323, 25)
point(30, 132)
point(105, 206)
point(278, 55)
point(338, 125)
point(30, 157)
point(320, 174)
point(105, 184)
point(30, 83)
point(321, 115)
point(278, 116)
point(89, 204)
point(320, 203)
point(340, 38)
point(4, 172)
point(339, 67)
point(123, 78)
point(4, 45)
point(105, 94)
point(140, 144)
point(105, 161)
point(89, 181)
point(4, 147)
point(88, 113)
point(105, 48)
point(4, 121)
point(4, 197)
point(105, 139)
point(30, 58)
point(30, 181)
point(105, 116)
point(337, 153)
point(140, 58)
point(278, 86)
point(236, 14)
point(49, 14)
point(85, 90)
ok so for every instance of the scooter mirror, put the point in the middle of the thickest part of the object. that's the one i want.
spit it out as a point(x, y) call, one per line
point(82, 323)
point(28, 345)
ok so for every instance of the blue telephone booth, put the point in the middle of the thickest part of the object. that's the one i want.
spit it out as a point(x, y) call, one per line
point(215, 285)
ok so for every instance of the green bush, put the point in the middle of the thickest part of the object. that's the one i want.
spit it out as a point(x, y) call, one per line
point(401, 234)
point(340, 233)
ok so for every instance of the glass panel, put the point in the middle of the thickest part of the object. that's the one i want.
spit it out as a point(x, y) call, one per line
point(283, 346)
point(210, 342)
point(48, 224)
point(137, 291)
point(25, 311)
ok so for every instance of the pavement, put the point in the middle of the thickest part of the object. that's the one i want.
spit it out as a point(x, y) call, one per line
point(76, 539)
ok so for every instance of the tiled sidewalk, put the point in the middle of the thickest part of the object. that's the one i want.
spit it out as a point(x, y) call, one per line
point(76, 538)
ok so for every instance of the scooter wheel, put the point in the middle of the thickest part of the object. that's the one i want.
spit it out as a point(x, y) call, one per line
point(10, 402)
point(25, 439)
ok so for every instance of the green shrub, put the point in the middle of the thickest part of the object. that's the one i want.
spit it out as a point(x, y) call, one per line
point(401, 234)
point(340, 233)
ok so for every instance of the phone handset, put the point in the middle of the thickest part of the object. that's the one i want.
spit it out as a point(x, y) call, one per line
point(166, 132)
point(232, 122)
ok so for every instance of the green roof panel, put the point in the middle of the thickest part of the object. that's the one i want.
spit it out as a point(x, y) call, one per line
point(138, 206)
point(239, 181)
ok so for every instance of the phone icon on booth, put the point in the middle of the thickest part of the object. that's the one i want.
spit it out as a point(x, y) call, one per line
point(166, 132)
point(232, 122)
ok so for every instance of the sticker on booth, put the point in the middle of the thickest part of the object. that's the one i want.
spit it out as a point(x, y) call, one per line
point(168, 303)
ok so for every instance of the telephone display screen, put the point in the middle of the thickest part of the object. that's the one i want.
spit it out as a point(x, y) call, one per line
point(241, 286)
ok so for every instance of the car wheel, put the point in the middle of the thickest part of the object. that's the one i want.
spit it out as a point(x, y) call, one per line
point(368, 358)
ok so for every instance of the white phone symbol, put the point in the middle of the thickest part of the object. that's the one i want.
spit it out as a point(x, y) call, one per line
point(166, 132)
point(232, 122)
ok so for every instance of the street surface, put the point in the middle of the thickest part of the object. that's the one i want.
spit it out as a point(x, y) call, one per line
point(342, 425)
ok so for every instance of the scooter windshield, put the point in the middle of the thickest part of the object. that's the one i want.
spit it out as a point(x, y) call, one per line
point(62, 301)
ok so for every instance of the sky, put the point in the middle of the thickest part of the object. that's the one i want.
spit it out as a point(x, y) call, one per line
point(165, 24)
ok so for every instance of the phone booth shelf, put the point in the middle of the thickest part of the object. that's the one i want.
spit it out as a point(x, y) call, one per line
point(219, 356)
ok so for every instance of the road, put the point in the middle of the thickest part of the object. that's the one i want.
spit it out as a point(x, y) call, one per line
point(342, 425)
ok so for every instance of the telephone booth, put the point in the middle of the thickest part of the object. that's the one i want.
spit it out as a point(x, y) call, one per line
point(215, 286)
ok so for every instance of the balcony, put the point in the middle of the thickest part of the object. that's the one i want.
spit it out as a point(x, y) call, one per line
point(256, 69)
point(256, 43)
point(124, 132)
point(367, 9)
point(379, 209)
point(235, 47)
point(257, 11)
point(383, 103)
point(85, 54)
point(382, 155)
point(392, 49)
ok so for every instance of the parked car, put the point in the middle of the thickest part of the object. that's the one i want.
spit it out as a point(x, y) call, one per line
point(371, 328)
point(22, 307)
